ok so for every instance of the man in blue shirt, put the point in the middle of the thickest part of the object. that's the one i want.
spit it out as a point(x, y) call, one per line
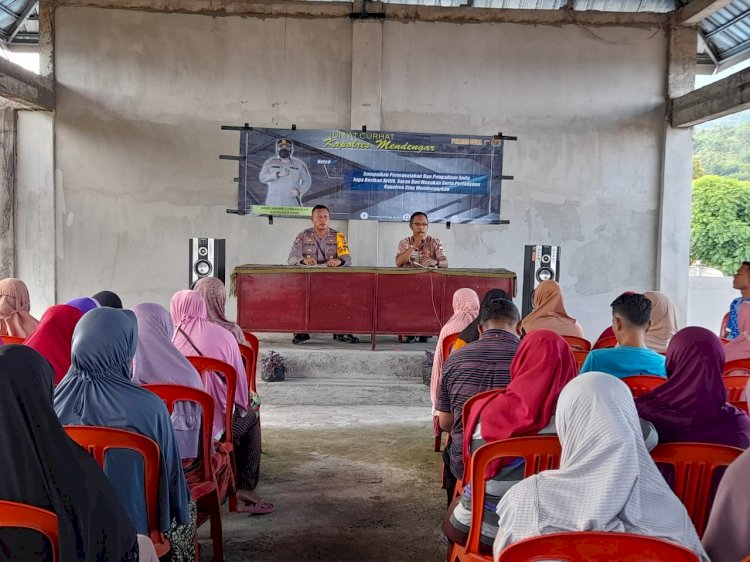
point(740, 282)
point(631, 318)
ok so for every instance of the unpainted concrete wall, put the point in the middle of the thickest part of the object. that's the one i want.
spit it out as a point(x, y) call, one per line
point(142, 95)
point(708, 301)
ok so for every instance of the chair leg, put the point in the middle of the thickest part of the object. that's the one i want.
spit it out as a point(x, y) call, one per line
point(217, 536)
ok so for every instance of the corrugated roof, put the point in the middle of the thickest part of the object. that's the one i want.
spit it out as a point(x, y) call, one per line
point(19, 21)
point(726, 33)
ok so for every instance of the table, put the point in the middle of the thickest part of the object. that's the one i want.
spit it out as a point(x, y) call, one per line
point(355, 300)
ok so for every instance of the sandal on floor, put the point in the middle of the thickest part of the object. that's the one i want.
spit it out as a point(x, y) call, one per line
point(348, 338)
point(257, 508)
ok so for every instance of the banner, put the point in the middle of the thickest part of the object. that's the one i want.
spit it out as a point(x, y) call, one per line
point(370, 175)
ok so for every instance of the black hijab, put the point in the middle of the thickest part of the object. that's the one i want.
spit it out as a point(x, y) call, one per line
point(42, 466)
point(108, 298)
point(471, 332)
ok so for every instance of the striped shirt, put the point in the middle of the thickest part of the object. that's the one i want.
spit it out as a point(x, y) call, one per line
point(482, 365)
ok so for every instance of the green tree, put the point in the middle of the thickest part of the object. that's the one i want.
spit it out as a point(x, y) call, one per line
point(720, 234)
point(724, 150)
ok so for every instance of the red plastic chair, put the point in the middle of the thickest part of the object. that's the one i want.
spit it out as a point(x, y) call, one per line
point(591, 546)
point(204, 366)
point(580, 357)
point(723, 328)
point(538, 452)
point(694, 466)
point(23, 516)
point(7, 340)
point(100, 440)
point(641, 384)
point(742, 365)
point(254, 344)
point(735, 385)
point(249, 360)
point(448, 343)
point(603, 343)
point(205, 493)
point(577, 343)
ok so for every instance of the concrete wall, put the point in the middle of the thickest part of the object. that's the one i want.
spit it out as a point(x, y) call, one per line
point(708, 301)
point(142, 96)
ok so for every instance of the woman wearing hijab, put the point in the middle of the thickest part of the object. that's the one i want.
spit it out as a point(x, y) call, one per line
point(663, 321)
point(541, 368)
point(607, 480)
point(84, 304)
point(53, 336)
point(692, 405)
point(465, 310)
point(549, 312)
point(97, 391)
point(43, 467)
point(194, 334)
point(108, 298)
point(215, 295)
point(15, 319)
point(158, 361)
point(739, 347)
point(471, 332)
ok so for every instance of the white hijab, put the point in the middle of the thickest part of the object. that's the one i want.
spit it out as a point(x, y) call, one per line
point(606, 480)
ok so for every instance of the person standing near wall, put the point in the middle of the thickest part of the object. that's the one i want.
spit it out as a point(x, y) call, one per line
point(287, 177)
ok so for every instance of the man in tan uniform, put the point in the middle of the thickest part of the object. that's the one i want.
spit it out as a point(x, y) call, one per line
point(318, 246)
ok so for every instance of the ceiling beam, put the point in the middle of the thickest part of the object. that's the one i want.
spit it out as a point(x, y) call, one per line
point(25, 87)
point(698, 10)
point(726, 96)
point(21, 19)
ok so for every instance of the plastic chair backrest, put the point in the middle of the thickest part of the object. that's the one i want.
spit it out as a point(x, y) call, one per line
point(580, 357)
point(7, 340)
point(577, 343)
point(737, 365)
point(741, 404)
point(724, 341)
point(641, 384)
point(468, 406)
point(448, 342)
point(23, 516)
point(588, 546)
point(98, 441)
point(723, 328)
point(735, 385)
point(172, 393)
point(694, 466)
point(603, 343)
point(538, 452)
point(249, 359)
point(206, 365)
point(254, 343)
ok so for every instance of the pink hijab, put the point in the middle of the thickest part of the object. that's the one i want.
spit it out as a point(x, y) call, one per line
point(194, 334)
point(215, 295)
point(15, 304)
point(465, 309)
point(739, 347)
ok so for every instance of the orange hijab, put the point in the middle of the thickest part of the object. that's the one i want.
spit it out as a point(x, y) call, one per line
point(549, 312)
point(15, 304)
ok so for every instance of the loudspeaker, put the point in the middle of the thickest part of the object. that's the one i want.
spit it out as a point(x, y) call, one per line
point(206, 258)
point(540, 263)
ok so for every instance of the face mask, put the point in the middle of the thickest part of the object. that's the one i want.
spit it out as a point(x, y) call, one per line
point(284, 153)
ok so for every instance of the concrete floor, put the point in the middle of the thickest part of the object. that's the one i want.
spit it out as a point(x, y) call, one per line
point(350, 483)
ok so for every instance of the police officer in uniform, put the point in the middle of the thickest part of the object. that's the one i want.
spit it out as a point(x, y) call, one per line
point(321, 245)
point(287, 177)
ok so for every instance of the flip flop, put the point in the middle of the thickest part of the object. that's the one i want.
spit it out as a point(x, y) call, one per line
point(257, 508)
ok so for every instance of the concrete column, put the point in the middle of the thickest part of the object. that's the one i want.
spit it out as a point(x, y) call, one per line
point(677, 172)
point(46, 38)
point(7, 193)
point(367, 58)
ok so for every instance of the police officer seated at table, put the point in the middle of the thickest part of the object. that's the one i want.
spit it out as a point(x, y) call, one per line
point(420, 250)
point(321, 246)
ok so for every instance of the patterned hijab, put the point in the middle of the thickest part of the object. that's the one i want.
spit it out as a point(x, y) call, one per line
point(53, 337)
point(158, 361)
point(215, 295)
point(15, 319)
point(549, 312)
point(607, 480)
point(465, 309)
point(98, 391)
point(663, 321)
point(84, 304)
point(692, 404)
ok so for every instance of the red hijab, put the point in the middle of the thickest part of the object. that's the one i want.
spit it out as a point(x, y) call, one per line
point(53, 336)
point(541, 368)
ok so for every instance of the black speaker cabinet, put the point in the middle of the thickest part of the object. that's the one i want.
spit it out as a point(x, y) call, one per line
point(206, 258)
point(540, 263)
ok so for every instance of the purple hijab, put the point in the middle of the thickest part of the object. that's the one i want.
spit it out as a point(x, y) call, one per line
point(84, 304)
point(158, 361)
point(692, 405)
